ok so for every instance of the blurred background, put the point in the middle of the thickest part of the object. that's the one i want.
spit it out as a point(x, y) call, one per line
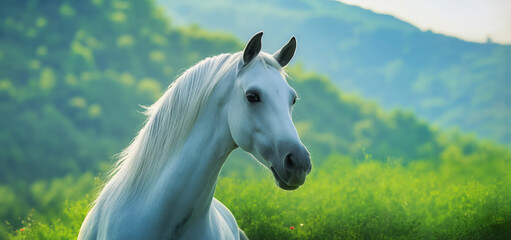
point(400, 92)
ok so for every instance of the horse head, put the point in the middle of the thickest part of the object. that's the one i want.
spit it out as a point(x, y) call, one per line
point(260, 114)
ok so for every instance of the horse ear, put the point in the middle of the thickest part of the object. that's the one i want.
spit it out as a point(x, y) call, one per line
point(284, 55)
point(253, 48)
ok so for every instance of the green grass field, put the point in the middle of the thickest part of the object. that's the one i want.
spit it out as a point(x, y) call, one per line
point(344, 199)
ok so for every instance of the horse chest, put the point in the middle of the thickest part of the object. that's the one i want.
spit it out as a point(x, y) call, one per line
point(218, 223)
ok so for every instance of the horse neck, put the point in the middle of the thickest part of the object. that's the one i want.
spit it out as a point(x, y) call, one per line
point(185, 188)
point(182, 191)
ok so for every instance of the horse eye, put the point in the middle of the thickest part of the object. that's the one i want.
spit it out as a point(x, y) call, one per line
point(253, 97)
point(294, 100)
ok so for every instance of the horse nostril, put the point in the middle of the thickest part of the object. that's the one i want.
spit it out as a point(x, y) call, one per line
point(289, 163)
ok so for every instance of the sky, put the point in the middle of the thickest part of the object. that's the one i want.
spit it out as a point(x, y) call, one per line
point(471, 20)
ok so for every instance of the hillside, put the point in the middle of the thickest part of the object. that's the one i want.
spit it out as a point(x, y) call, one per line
point(73, 74)
point(449, 82)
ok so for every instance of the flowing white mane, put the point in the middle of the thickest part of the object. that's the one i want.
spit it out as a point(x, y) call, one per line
point(169, 121)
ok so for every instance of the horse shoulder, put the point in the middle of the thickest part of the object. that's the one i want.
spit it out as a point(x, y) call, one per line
point(120, 224)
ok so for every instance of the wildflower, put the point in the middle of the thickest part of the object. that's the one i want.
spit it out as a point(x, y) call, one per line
point(291, 227)
point(301, 224)
point(21, 229)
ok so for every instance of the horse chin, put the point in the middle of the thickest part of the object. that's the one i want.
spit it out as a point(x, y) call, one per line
point(280, 183)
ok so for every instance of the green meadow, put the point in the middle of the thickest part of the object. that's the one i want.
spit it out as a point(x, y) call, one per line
point(73, 75)
point(344, 199)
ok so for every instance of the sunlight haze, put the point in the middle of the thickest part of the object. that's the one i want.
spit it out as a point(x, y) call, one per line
point(471, 20)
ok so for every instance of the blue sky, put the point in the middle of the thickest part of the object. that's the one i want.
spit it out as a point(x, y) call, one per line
point(472, 20)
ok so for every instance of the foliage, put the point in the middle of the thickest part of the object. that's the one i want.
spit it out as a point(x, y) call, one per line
point(332, 121)
point(348, 200)
point(47, 196)
point(65, 226)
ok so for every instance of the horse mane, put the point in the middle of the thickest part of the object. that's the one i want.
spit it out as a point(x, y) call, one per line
point(169, 121)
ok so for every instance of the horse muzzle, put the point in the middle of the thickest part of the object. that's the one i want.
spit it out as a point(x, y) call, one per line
point(296, 166)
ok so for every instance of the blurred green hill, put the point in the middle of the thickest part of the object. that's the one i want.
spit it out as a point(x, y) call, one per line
point(449, 82)
point(73, 74)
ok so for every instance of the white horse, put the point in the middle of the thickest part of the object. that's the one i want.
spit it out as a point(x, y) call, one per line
point(164, 182)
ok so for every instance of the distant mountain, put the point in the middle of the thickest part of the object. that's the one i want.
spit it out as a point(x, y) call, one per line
point(446, 80)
